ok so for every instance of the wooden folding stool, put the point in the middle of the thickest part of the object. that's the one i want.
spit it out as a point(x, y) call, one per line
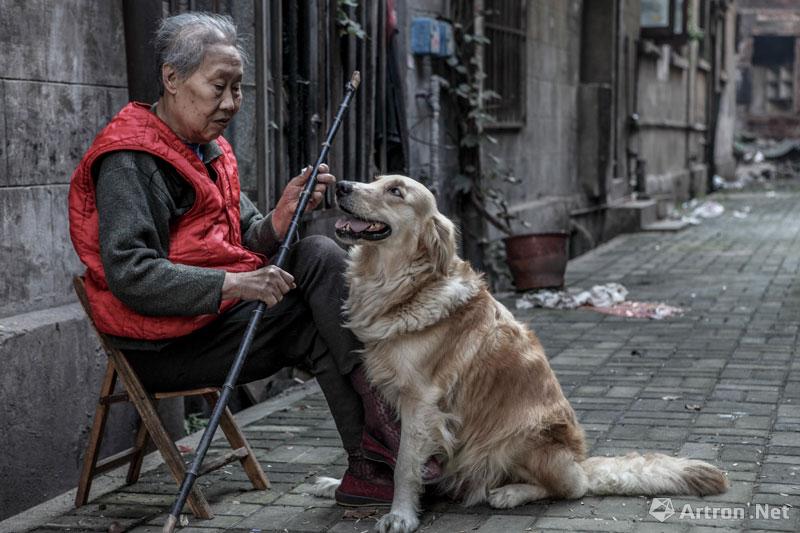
point(151, 427)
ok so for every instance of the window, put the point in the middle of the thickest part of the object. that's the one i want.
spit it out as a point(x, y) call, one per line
point(665, 20)
point(505, 61)
point(773, 63)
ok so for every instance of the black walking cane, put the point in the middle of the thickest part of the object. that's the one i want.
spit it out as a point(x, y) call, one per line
point(244, 347)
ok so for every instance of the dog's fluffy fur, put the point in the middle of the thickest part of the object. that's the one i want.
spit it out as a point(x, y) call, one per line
point(469, 381)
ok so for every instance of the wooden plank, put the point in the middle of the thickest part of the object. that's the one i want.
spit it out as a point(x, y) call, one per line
point(135, 468)
point(183, 393)
point(113, 461)
point(237, 441)
point(114, 398)
point(99, 423)
point(218, 462)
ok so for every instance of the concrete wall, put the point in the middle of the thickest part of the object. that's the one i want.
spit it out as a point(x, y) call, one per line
point(62, 76)
point(542, 152)
point(60, 80)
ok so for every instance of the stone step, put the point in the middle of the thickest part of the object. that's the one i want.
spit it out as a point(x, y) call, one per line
point(631, 215)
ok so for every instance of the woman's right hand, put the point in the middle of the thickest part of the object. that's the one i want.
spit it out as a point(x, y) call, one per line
point(268, 284)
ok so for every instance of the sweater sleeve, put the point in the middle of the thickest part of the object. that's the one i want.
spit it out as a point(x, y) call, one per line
point(258, 233)
point(135, 210)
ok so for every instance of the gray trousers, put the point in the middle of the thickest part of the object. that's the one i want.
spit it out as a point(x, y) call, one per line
point(304, 328)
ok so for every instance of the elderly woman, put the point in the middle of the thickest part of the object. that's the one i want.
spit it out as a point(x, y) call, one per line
point(176, 256)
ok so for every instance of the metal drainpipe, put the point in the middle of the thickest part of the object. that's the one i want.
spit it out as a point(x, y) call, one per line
point(262, 106)
point(434, 100)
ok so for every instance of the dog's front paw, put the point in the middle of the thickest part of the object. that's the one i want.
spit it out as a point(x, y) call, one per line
point(397, 522)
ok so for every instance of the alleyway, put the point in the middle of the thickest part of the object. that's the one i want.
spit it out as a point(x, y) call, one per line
point(720, 383)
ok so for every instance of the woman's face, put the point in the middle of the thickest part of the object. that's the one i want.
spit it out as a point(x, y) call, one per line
point(205, 102)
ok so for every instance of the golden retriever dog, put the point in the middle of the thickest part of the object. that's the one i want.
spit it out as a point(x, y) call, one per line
point(468, 380)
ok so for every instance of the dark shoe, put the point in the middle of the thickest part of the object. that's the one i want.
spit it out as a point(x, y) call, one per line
point(381, 438)
point(365, 484)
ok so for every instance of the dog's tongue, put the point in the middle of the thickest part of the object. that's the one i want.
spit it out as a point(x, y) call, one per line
point(355, 225)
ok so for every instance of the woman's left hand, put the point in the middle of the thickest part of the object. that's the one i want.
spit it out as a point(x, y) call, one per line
point(287, 204)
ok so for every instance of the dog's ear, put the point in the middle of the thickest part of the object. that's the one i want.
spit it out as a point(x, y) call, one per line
point(439, 240)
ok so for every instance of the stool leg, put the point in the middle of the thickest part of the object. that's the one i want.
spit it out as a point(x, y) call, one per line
point(172, 457)
point(96, 436)
point(237, 440)
point(135, 468)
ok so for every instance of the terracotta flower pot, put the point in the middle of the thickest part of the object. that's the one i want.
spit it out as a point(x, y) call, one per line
point(537, 260)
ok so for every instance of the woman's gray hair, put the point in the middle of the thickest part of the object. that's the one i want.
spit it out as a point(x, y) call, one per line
point(182, 41)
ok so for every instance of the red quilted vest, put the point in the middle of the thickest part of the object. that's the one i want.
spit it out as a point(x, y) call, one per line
point(208, 235)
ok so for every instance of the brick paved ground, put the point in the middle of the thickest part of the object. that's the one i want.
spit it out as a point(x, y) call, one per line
point(733, 355)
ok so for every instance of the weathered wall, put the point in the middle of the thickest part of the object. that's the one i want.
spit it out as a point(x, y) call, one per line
point(672, 93)
point(543, 152)
point(62, 76)
point(60, 79)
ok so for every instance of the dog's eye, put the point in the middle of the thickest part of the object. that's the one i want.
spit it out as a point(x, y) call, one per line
point(395, 191)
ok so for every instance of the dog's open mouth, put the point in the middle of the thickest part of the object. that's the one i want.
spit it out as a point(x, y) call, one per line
point(354, 228)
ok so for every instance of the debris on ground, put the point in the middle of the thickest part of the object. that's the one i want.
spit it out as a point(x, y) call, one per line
point(758, 150)
point(597, 296)
point(361, 514)
point(744, 212)
point(747, 174)
point(694, 211)
point(609, 299)
point(707, 209)
point(654, 311)
point(762, 160)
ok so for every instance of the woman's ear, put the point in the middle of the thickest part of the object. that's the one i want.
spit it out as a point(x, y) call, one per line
point(169, 78)
point(439, 240)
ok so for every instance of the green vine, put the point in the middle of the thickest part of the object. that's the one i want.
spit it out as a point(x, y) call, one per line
point(478, 183)
point(348, 26)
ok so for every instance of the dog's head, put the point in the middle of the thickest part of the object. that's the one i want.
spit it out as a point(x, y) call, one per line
point(395, 211)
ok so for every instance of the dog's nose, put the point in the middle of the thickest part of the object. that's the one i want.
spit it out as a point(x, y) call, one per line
point(344, 188)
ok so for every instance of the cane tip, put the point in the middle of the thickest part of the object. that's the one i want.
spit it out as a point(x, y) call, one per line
point(169, 525)
point(355, 80)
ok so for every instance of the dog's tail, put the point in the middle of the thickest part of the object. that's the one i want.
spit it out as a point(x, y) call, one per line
point(324, 487)
point(652, 474)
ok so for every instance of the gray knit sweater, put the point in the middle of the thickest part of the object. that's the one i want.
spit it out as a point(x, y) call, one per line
point(138, 198)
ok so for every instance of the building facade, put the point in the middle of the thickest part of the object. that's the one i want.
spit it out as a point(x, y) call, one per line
point(769, 68)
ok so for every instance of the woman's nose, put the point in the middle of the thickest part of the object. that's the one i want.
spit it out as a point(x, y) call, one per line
point(228, 101)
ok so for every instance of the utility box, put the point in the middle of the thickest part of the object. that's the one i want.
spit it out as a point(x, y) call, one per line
point(431, 37)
